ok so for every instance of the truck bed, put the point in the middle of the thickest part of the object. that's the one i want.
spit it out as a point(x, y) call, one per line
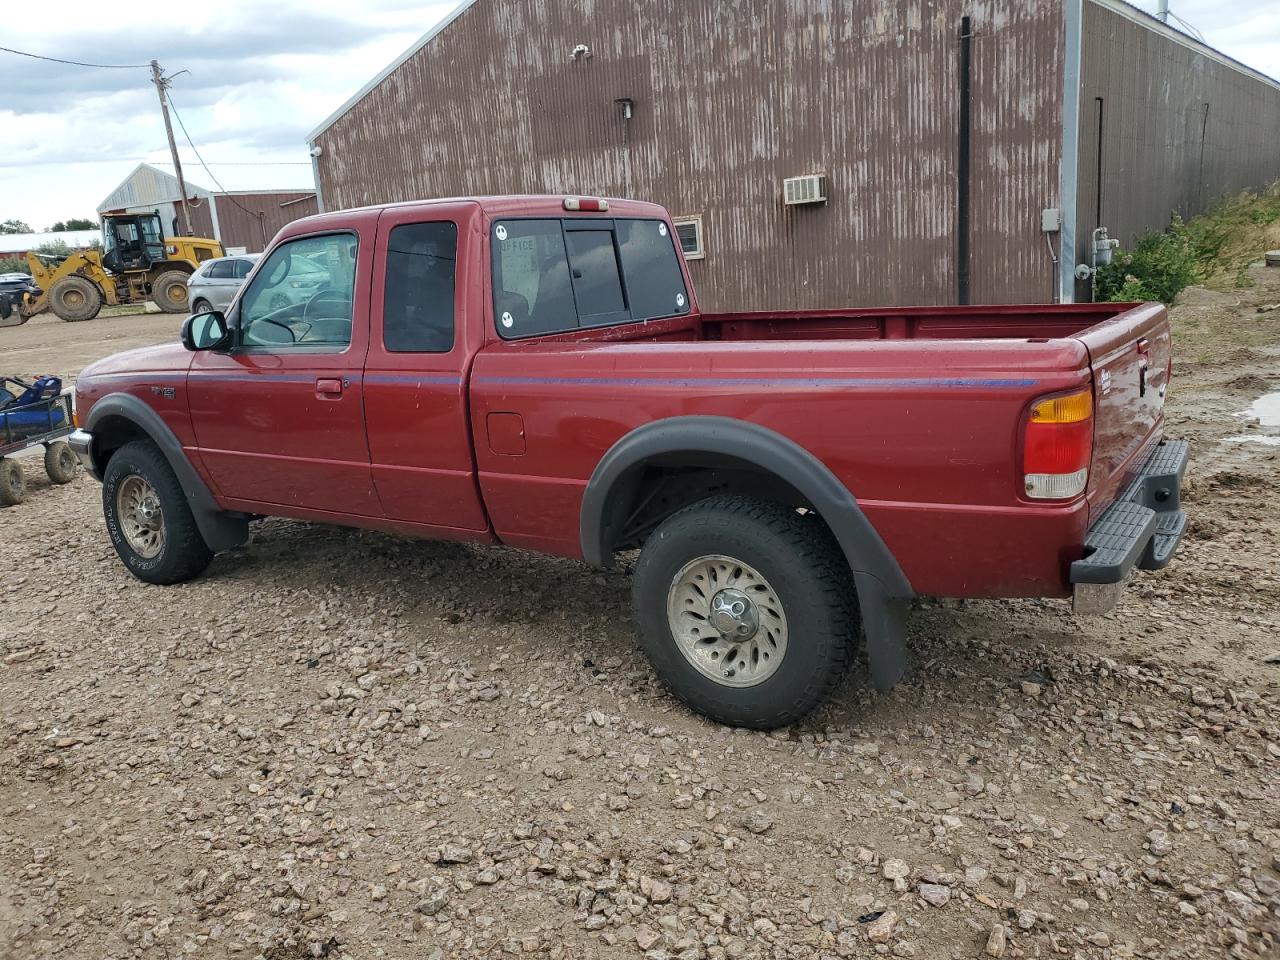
point(873, 323)
point(920, 412)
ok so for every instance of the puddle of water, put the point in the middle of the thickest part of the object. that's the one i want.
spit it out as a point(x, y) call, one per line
point(1266, 441)
point(1266, 409)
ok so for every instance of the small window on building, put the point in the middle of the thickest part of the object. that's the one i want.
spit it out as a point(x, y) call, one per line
point(689, 230)
point(417, 315)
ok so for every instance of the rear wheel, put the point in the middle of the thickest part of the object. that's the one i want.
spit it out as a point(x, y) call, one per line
point(60, 462)
point(169, 291)
point(745, 609)
point(75, 298)
point(148, 518)
point(13, 486)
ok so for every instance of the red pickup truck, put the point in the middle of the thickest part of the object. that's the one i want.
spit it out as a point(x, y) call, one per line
point(535, 371)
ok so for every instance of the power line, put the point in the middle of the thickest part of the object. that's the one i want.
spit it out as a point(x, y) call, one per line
point(238, 163)
point(103, 161)
point(183, 127)
point(262, 217)
point(79, 63)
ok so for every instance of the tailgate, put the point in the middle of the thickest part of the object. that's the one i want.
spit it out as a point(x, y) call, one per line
point(1129, 355)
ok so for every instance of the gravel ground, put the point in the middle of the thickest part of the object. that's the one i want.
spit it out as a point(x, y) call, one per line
point(345, 744)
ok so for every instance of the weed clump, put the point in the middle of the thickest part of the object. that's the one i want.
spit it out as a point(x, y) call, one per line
point(1213, 249)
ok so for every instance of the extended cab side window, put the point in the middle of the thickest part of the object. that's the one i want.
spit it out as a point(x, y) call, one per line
point(555, 275)
point(417, 312)
point(302, 296)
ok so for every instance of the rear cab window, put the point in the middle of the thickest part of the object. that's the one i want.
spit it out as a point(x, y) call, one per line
point(552, 275)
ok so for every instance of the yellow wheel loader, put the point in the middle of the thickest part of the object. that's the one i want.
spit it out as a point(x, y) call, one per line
point(135, 264)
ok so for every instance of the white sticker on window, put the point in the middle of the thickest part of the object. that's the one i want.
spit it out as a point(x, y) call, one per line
point(662, 229)
point(507, 319)
point(679, 299)
point(501, 234)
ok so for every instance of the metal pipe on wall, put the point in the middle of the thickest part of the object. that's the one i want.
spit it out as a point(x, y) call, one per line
point(963, 172)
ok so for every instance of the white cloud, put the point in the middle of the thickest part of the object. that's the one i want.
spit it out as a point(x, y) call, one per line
point(260, 78)
point(1247, 30)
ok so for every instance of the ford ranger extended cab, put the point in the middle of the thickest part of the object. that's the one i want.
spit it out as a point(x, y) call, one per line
point(535, 372)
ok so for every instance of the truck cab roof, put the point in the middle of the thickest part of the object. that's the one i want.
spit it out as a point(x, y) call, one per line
point(510, 205)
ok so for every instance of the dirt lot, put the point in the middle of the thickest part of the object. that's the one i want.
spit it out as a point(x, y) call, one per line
point(345, 744)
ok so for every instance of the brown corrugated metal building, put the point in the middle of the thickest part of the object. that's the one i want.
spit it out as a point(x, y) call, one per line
point(961, 144)
point(246, 220)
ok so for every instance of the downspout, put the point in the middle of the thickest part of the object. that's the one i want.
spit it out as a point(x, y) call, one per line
point(963, 162)
point(213, 215)
point(1073, 21)
point(315, 175)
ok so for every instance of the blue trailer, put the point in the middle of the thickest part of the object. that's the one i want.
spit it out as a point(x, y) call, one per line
point(33, 414)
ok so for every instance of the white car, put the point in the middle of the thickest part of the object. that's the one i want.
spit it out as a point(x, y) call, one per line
point(215, 284)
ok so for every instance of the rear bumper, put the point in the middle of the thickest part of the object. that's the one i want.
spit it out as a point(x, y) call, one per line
point(1142, 528)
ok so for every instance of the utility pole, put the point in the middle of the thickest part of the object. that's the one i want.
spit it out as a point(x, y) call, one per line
point(157, 77)
point(1162, 13)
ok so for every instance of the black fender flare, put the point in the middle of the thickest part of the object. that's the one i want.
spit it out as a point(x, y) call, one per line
point(220, 530)
point(884, 593)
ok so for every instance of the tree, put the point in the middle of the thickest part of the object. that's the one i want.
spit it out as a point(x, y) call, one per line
point(54, 248)
point(15, 226)
point(14, 265)
point(75, 223)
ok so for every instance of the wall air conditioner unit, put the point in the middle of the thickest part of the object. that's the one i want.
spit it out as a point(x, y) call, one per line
point(810, 189)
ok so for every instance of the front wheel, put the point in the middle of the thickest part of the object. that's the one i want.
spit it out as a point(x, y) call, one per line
point(75, 299)
point(148, 518)
point(169, 291)
point(745, 609)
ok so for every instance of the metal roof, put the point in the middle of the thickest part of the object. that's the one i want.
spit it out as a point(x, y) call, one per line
point(391, 68)
point(21, 242)
point(1141, 17)
point(148, 185)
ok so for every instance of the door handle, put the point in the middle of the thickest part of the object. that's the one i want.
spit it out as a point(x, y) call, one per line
point(328, 387)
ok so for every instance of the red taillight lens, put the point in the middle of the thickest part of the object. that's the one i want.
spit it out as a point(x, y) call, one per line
point(1058, 446)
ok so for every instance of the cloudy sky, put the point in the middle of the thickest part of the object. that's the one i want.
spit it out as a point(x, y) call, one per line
point(261, 75)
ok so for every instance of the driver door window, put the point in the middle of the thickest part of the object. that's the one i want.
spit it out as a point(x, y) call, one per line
point(302, 296)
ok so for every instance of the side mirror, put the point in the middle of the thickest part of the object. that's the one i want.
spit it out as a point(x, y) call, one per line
point(205, 331)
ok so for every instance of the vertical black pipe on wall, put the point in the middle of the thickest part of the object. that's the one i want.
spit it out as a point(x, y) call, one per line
point(962, 164)
point(1097, 222)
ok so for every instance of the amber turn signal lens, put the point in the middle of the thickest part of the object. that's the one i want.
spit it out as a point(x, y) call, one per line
point(1070, 409)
